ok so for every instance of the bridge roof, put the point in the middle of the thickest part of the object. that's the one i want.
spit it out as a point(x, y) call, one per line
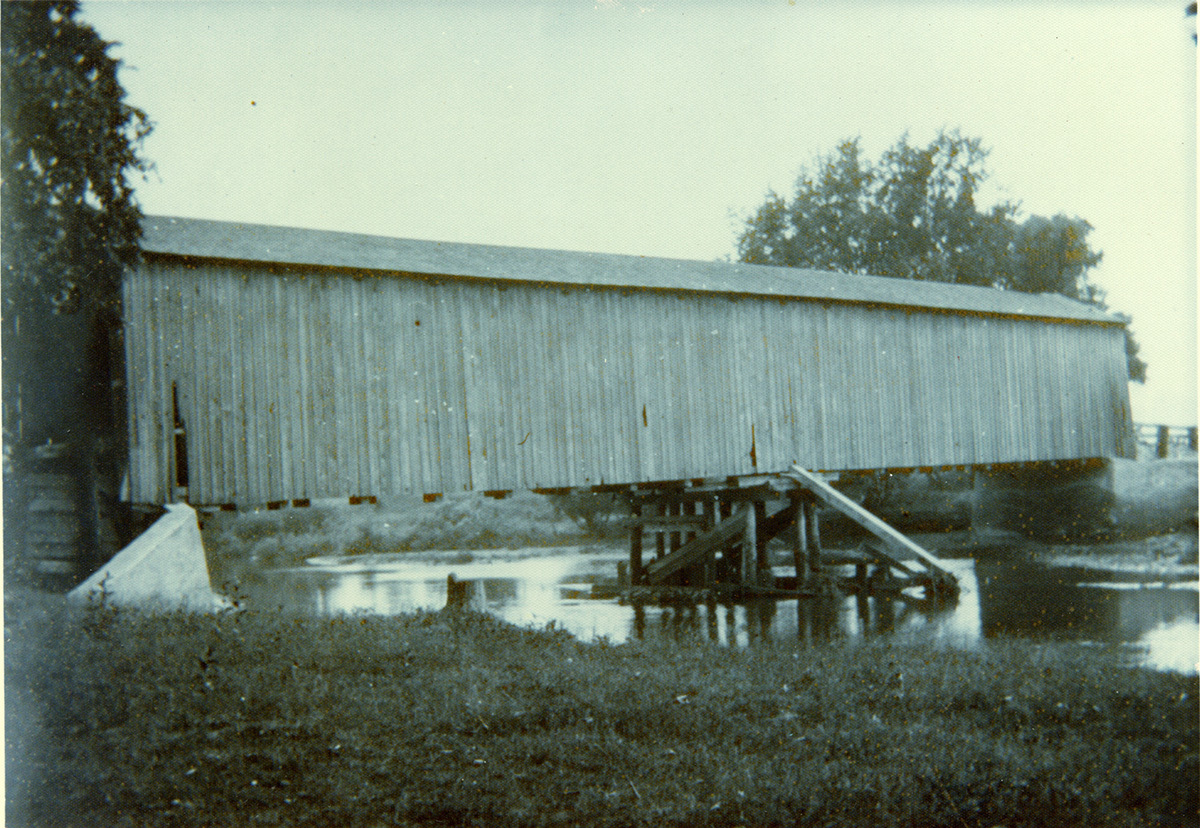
point(235, 241)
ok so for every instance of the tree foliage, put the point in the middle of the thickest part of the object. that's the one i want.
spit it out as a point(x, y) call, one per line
point(913, 215)
point(70, 220)
point(70, 225)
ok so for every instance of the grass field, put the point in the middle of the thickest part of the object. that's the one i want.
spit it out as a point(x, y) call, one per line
point(122, 718)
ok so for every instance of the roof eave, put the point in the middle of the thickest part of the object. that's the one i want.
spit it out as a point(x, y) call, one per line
point(204, 239)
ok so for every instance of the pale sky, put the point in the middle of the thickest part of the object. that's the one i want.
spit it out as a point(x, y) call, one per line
point(651, 127)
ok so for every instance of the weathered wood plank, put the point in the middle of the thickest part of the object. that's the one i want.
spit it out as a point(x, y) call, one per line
point(652, 523)
point(675, 539)
point(760, 538)
point(558, 395)
point(636, 568)
point(812, 526)
point(750, 546)
point(660, 538)
point(862, 517)
point(721, 535)
point(842, 557)
point(769, 526)
point(804, 573)
point(880, 555)
point(763, 491)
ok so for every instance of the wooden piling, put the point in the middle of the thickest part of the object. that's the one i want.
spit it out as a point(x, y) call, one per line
point(635, 548)
point(940, 580)
point(860, 578)
point(697, 509)
point(863, 606)
point(812, 528)
point(762, 566)
point(804, 571)
point(458, 593)
point(712, 515)
point(750, 548)
point(694, 524)
point(675, 539)
point(660, 537)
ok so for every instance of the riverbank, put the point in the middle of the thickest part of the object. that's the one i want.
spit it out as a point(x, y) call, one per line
point(124, 718)
point(1164, 557)
point(467, 524)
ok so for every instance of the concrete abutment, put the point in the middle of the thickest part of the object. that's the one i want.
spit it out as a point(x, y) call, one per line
point(1050, 501)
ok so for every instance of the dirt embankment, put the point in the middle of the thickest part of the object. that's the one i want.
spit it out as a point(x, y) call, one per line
point(1154, 496)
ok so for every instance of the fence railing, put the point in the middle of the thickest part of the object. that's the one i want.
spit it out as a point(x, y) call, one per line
point(1165, 440)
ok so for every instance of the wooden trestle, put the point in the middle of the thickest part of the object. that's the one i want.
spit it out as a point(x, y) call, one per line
point(712, 536)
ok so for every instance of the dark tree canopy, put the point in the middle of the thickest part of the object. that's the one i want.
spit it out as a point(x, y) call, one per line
point(910, 216)
point(913, 215)
point(70, 220)
point(1052, 256)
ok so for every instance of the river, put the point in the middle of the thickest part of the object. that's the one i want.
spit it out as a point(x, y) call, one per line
point(1156, 625)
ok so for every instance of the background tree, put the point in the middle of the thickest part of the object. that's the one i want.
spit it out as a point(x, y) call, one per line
point(69, 220)
point(70, 227)
point(913, 215)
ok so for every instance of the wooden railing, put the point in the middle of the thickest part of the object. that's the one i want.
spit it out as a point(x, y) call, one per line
point(1166, 441)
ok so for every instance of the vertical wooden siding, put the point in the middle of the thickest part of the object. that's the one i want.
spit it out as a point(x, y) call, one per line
point(306, 384)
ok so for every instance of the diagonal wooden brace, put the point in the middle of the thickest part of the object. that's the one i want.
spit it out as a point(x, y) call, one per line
point(716, 539)
point(895, 541)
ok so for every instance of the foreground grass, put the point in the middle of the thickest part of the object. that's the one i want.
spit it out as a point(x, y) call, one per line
point(122, 718)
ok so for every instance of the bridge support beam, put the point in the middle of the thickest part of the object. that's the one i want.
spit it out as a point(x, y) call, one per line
point(727, 529)
point(708, 534)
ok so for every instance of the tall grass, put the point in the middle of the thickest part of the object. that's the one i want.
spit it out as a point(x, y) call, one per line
point(246, 718)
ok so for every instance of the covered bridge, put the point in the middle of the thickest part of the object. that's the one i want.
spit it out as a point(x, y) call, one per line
point(270, 364)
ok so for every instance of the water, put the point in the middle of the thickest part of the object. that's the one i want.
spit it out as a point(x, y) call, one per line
point(1157, 623)
point(1154, 625)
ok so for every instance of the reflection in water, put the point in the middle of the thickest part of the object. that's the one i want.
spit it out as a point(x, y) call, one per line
point(1158, 625)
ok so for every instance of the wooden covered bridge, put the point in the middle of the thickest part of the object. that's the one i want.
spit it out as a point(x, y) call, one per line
point(271, 365)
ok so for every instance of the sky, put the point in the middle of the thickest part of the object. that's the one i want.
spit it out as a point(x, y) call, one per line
point(655, 128)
